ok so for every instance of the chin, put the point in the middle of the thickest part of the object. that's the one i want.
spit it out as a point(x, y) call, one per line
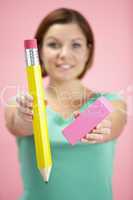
point(62, 76)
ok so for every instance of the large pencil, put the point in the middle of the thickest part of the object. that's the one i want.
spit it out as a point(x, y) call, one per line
point(40, 126)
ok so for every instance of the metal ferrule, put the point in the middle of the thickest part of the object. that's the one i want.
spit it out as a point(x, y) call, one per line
point(31, 56)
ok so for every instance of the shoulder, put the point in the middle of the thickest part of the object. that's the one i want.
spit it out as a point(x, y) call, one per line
point(112, 96)
point(116, 98)
point(118, 101)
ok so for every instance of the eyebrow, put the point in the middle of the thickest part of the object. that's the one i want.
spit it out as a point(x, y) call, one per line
point(51, 37)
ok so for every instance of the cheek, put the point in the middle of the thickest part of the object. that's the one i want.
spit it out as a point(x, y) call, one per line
point(82, 56)
point(82, 60)
point(49, 56)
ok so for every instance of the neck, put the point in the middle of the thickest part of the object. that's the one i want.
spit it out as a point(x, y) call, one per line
point(66, 91)
point(63, 88)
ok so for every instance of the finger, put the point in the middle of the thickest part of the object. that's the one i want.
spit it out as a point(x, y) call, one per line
point(97, 137)
point(76, 113)
point(25, 100)
point(29, 97)
point(87, 141)
point(46, 102)
point(28, 100)
point(18, 99)
point(87, 136)
point(105, 123)
point(102, 130)
point(21, 100)
point(26, 111)
point(25, 116)
point(28, 118)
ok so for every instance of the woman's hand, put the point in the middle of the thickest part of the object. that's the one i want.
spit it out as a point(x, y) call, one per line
point(99, 134)
point(25, 106)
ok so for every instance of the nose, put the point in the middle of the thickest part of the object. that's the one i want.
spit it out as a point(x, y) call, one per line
point(64, 52)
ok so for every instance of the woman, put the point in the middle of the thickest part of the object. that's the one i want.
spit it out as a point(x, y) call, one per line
point(83, 171)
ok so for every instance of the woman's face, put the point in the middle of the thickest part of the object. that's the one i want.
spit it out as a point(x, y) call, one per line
point(64, 52)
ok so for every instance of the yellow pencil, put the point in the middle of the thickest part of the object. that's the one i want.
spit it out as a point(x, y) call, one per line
point(35, 85)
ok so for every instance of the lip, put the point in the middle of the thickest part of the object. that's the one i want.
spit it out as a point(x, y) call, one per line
point(63, 69)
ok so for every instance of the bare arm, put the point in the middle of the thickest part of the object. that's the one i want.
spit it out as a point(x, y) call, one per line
point(16, 123)
point(110, 128)
point(119, 119)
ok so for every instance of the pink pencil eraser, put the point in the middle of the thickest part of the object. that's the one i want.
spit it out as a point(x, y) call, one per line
point(29, 44)
point(87, 120)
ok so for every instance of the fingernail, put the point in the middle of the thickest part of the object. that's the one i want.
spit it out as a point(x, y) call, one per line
point(91, 136)
point(83, 140)
point(99, 125)
point(30, 97)
point(87, 136)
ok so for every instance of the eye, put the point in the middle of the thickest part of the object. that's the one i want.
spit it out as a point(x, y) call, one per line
point(53, 45)
point(76, 45)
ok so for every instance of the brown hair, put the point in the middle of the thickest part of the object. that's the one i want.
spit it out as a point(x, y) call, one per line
point(65, 16)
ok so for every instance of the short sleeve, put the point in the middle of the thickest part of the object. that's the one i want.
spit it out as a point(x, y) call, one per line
point(113, 96)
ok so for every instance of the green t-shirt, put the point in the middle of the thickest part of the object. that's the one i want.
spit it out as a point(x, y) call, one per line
point(81, 172)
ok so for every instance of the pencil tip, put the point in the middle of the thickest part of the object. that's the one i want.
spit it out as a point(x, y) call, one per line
point(45, 173)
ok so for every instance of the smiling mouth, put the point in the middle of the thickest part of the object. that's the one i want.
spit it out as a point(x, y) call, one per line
point(64, 66)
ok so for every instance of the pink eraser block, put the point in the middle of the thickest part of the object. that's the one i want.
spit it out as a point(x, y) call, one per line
point(29, 44)
point(87, 120)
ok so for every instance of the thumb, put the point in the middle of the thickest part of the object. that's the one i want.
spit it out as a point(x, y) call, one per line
point(76, 113)
point(46, 102)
